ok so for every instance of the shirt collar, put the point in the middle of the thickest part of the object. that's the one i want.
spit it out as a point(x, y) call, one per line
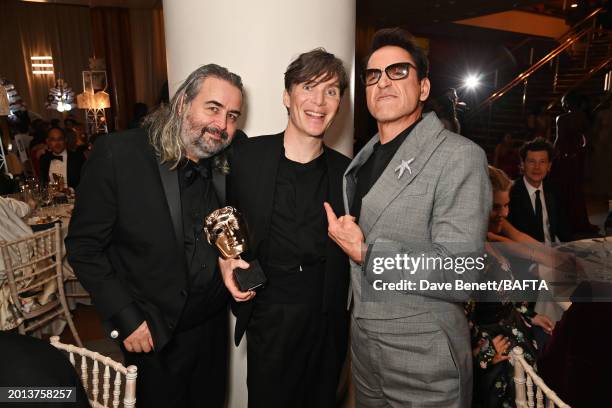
point(531, 189)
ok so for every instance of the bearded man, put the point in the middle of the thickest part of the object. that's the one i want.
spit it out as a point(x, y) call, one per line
point(135, 241)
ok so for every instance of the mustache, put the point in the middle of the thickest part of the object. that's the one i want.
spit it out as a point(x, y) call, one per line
point(215, 131)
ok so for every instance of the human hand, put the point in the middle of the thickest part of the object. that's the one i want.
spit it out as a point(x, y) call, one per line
point(544, 322)
point(346, 233)
point(140, 341)
point(501, 345)
point(227, 267)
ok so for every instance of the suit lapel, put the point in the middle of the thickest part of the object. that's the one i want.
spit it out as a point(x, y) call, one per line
point(527, 200)
point(169, 181)
point(416, 149)
point(268, 168)
point(218, 181)
point(350, 175)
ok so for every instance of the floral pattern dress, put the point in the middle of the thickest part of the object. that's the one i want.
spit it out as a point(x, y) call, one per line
point(493, 383)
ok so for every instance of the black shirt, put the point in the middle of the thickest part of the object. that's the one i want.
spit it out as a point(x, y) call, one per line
point(372, 169)
point(294, 251)
point(207, 293)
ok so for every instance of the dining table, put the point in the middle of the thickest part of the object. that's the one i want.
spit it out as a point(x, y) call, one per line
point(41, 218)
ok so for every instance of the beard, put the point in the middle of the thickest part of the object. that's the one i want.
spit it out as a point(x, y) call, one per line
point(199, 141)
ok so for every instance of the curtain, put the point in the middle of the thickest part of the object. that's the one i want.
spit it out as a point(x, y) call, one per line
point(31, 29)
point(110, 34)
point(149, 54)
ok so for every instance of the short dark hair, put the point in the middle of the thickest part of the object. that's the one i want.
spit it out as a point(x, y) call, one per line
point(399, 37)
point(319, 64)
point(52, 128)
point(538, 144)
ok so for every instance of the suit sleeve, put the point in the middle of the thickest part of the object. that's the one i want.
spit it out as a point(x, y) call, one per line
point(89, 238)
point(459, 218)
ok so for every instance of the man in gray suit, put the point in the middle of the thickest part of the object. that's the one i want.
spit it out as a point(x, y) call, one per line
point(420, 190)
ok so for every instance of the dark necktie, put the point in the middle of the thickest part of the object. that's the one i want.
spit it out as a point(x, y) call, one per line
point(539, 230)
point(55, 157)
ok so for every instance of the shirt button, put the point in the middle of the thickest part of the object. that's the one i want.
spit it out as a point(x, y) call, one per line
point(171, 326)
point(183, 292)
point(114, 334)
point(203, 266)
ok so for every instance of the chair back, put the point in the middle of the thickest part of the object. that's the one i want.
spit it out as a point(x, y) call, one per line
point(123, 383)
point(33, 269)
point(525, 378)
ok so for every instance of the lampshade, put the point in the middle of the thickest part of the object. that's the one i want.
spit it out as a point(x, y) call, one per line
point(14, 100)
point(102, 100)
point(4, 102)
point(85, 100)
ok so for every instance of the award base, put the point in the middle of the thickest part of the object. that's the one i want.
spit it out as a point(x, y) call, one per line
point(251, 278)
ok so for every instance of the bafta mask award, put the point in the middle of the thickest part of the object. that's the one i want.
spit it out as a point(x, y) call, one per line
point(225, 229)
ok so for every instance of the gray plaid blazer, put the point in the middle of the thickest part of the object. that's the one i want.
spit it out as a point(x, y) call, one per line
point(440, 205)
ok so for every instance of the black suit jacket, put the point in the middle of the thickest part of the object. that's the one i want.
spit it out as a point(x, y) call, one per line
point(126, 241)
point(74, 163)
point(522, 215)
point(251, 187)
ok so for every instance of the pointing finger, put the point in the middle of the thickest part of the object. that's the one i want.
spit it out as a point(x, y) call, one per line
point(331, 216)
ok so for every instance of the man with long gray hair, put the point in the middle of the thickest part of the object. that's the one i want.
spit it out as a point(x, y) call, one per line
point(135, 241)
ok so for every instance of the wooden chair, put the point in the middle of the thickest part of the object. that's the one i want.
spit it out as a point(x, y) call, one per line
point(33, 267)
point(524, 379)
point(130, 373)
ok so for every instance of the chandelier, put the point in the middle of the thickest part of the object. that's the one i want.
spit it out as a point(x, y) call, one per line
point(61, 97)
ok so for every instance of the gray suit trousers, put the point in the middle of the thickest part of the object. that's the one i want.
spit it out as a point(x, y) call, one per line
point(404, 362)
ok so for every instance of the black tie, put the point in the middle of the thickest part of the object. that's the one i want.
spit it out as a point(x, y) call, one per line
point(539, 230)
point(60, 158)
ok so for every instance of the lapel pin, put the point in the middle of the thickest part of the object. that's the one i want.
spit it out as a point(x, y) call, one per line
point(405, 165)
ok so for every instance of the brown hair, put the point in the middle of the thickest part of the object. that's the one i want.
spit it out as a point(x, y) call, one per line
point(499, 180)
point(539, 144)
point(316, 64)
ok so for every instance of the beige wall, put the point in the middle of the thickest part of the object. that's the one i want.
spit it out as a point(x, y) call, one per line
point(258, 39)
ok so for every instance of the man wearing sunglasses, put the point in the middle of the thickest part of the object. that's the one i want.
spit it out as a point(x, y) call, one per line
point(420, 190)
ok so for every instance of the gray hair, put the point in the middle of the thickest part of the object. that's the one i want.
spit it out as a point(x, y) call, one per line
point(166, 122)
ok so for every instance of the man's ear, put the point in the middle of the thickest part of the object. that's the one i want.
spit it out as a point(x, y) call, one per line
point(286, 99)
point(425, 87)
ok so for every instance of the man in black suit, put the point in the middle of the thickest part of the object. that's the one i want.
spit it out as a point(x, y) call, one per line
point(59, 160)
point(296, 325)
point(135, 241)
point(534, 207)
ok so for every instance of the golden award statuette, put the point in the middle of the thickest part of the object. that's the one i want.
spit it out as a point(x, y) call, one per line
point(225, 229)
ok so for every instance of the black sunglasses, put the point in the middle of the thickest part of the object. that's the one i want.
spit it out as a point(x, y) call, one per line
point(399, 70)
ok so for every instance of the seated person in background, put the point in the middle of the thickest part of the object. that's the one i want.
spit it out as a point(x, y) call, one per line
point(58, 160)
point(30, 362)
point(498, 326)
point(534, 205)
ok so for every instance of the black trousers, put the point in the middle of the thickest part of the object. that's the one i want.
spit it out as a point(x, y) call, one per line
point(191, 371)
point(294, 354)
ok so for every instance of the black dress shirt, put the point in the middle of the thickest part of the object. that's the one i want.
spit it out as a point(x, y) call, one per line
point(198, 199)
point(372, 169)
point(294, 254)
